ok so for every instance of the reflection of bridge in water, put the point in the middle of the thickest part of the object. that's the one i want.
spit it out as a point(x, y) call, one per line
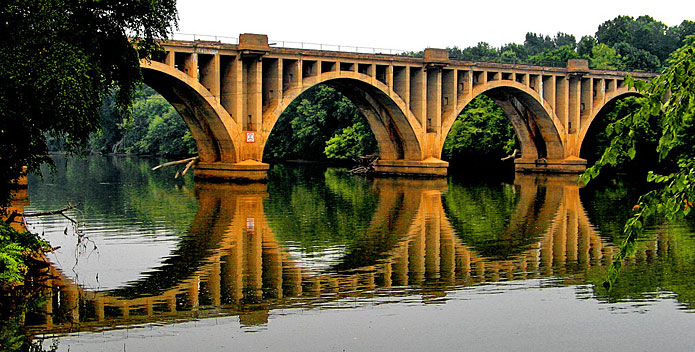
point(246, 272)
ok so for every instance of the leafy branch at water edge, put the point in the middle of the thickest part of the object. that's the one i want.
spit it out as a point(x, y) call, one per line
point(668, 100)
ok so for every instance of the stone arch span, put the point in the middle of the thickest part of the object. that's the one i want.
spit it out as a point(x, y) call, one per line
point(214, 131)
point(608, 101)
point(536, 125)
point(398, 135)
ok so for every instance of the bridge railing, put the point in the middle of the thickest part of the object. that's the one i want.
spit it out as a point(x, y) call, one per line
point(290, 44)
point(334, 47)
point(205, 37)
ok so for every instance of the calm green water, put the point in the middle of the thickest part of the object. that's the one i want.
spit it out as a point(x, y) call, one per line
point(318, 260)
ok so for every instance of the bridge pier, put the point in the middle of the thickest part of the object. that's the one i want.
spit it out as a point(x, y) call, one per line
point(570, 165)
point(248, 170)
point(429, 167)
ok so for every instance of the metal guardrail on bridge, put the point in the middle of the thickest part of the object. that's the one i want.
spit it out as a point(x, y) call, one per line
point(290, 44)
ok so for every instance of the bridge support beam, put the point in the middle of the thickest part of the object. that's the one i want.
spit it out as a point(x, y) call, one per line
point(429, 167)
point(247, 170)
point(570, 165)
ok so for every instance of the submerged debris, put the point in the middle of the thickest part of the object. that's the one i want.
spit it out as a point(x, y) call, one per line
point(365, 165)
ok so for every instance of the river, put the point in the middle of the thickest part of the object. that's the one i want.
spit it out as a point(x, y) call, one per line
point(316, 260)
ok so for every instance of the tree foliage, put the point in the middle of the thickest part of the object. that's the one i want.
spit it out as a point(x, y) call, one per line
point(154, 128)
point(669, 102)
point(59, 59)
point(322, 123)
point(481, 135)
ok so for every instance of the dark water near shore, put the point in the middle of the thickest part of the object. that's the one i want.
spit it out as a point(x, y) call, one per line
point(319, 260)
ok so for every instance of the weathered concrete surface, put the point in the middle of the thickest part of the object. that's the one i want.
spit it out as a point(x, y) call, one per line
point(231, 96)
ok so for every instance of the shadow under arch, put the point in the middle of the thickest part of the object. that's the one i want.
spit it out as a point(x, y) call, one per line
point(536, 126)
point(600, 110)
point(214, 131)
point(396, 132)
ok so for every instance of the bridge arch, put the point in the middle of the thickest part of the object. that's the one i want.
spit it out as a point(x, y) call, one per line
point(599, 109)
point(536, 125)
point(214, 131)
point(396, 132)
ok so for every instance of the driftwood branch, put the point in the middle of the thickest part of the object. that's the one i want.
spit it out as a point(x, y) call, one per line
point(188, 166)
point(515, 154)
point(184, 161)
point(51, 212)
point(365, 165)
point(10, 219)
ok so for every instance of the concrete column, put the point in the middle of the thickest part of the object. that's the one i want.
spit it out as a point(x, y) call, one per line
point(401, 83)
point(190, 65)
point(434, 98)
point(253, 94)
point(587, 100)
point(210, 74)
point(561, 100)
point(169, 59)
point(549, 87)
point(574, 104)
point(418, 94)
point(230, 86)
point(599, 92)
point(449, 96)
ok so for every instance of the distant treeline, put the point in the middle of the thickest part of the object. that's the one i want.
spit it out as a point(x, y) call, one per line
point(322, 124)
point(624, 43)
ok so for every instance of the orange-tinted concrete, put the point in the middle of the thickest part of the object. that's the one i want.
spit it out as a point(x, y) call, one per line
point(231, 96)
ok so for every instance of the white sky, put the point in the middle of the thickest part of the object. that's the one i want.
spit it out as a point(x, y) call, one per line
point(415, 25)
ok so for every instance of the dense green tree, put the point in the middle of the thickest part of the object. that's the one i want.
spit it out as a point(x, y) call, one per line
point(667, 102)
point(604, 57)
point(640, 41)
point(513, 53)
point(586, 45)
point(481, 135)
point(316, 116)
point(60, 58)
point(353, 141)
point(553, 57)
point(481, 52)
point(564, 39)
point(601, 130)
point(537, 43)
point(635, 59)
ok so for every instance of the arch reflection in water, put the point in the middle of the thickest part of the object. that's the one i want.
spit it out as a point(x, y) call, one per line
point(231, 262)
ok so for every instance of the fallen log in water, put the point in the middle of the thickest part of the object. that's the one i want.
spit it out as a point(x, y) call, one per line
point(177, 162)
point(365, 165)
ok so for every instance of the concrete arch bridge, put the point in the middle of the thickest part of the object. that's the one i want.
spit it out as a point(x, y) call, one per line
point(231, 96)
